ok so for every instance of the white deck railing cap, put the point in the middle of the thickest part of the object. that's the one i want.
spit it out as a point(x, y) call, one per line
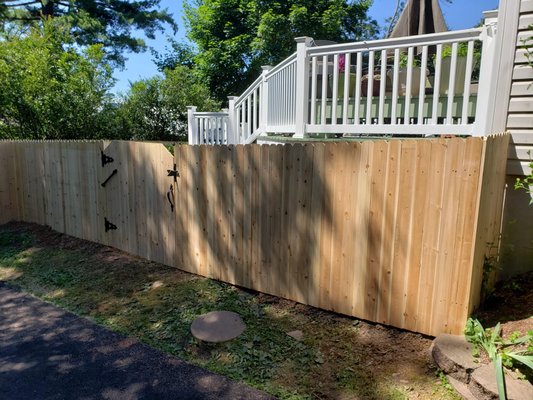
point(304, 39)
point(490, 14)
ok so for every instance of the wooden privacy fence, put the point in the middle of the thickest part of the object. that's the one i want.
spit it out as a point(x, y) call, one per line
point(390, 231)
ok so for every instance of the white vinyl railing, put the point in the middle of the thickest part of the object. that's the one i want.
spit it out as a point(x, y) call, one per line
point(281, 111)
point(420, 85)
point(245, 110)
point(208, 127)
point(402, 85)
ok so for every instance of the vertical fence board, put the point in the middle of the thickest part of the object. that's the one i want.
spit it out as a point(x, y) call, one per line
point(327, 232)
point(421, 181)
point(239, 195)
point(490, 202)
point(402, 263)
point(9, 201)
point(320, 219)
point(445, 259)
point(430, 238)
point(391, 189)
point(58, 183)
point(254, 242)
point(374, 233)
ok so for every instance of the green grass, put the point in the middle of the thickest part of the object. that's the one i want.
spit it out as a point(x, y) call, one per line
point(157, 304)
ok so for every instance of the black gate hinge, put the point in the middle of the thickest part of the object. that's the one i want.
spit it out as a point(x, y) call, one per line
point(108, 225)
point(106, 159)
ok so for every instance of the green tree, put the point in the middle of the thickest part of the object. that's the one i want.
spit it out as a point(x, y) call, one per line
point(156, 108)
point(49, 89)
point(235, 37)
point(179, 53)
point(107, 22)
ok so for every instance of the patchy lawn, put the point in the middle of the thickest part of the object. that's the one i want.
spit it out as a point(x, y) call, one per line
point(338, 357)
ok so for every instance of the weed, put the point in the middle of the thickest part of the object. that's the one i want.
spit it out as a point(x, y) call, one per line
point(445, 383)
point(503, 353)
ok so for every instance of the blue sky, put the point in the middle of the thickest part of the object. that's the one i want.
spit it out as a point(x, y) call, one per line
point(461, 14)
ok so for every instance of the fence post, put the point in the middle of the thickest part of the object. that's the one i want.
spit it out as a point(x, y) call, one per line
point(191, 125)
point(499, 47)
point(485, 98)
point(263, 113)
point(302, 85)
point(233, 137)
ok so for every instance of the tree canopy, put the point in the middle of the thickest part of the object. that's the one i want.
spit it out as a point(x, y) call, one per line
point(110, 23)
point(156, 108)
point(49, 89)
point(235, 37)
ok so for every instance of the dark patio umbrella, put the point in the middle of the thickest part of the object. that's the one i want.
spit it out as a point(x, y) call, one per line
point(420, 17)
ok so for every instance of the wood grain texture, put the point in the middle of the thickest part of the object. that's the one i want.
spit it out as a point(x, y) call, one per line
point(379, 230)
point(489, 211)
point(391, 231)
point(9, 184)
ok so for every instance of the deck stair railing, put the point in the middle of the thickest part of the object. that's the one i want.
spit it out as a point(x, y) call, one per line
point(416, 85)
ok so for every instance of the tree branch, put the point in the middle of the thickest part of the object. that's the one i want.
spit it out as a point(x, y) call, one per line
point(27, 3)
point(23, 18)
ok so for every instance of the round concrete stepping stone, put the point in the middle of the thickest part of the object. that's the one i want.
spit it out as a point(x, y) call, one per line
point(217, 326)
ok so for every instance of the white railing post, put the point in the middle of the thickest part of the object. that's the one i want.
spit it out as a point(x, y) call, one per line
point(220, 125)
point(486, 93)
point(263, 112)
point(232, 121)
point(505, 22)
point(192, 131)
point(302, 85)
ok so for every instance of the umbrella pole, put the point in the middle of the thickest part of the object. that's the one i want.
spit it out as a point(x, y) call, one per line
point(394, 17)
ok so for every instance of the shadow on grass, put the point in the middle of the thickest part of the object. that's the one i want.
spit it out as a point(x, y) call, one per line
point(339, 357)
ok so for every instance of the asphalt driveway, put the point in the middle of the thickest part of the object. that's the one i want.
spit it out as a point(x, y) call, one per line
point(48, 353)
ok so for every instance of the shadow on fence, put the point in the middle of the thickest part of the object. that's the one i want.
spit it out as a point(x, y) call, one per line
point(390, 231)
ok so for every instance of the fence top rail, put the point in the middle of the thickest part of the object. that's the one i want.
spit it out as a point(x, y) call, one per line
point(248, 91)
point(289, 60)
point(210, 114)
point(402, 42)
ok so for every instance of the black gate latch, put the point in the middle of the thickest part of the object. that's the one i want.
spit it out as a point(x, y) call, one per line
point(174, 173)
point(108, 225)
point(106, 159)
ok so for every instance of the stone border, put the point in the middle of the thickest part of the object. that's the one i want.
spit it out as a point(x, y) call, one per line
point(473, 381)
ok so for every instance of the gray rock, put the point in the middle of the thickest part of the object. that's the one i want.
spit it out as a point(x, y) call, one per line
point(461, 388)
point(483, 385)
point(453, 354)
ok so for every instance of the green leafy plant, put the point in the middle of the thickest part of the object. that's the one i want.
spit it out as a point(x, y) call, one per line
point(462, 50)
point(404, 59)
point(508, 353)
point(527, 182)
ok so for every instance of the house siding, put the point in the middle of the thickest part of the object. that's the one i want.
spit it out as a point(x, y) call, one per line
point(520, 111)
